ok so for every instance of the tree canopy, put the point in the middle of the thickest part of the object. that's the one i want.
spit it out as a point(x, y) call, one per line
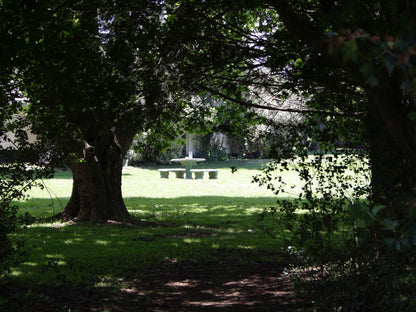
point(95, 73)
point(353, 63)
point(90, 71)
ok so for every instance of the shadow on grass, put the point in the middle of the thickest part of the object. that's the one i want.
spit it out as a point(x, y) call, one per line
point(180, 288)
point(210, 253)
point(202, 210)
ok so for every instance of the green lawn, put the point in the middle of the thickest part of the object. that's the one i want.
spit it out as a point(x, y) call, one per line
point(187, 225)
point(196, 221)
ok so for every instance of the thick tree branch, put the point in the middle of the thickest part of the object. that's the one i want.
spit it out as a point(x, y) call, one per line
point(277, 108)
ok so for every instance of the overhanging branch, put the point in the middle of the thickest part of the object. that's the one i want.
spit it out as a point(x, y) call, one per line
point(277, 108)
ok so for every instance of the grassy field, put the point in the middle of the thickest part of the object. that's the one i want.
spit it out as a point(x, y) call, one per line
point(145, 192)
point(191, 222)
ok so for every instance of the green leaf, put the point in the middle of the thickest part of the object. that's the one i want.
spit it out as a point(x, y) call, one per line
point(390, 224)
point(376, 210)
point(372, 81)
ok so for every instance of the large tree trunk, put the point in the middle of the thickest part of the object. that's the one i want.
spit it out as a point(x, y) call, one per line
point(392, 141)
point(96, 192)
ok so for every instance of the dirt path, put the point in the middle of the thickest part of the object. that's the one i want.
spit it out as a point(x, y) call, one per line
point(256, 287)
point(219, 288)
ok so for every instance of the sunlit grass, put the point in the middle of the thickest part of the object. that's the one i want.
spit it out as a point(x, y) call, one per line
point(143, 187)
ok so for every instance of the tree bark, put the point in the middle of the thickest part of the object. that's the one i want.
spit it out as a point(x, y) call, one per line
point(392, 140)
point(96, 191)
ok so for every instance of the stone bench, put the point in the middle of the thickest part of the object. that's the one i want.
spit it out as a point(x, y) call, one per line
point(199, 173)
point(164, 173)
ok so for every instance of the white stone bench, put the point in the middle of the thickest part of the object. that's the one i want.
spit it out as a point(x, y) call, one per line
point(164, 173)
point(199, 173)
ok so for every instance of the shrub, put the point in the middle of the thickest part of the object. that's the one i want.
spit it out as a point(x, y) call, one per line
point(150, 147)
point(348, 257)
point(18, 175)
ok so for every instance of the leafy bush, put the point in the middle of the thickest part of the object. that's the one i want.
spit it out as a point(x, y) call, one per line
point(151, 147)
point(216, 152)
point(18, 175)
point(349, 256)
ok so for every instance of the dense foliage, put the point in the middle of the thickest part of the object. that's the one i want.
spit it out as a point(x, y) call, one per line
point(23, 165)
point(346, 255)
point(90, 71)
point(17, 177)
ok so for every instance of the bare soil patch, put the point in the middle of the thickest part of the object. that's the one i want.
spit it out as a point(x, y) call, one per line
point(254, 287)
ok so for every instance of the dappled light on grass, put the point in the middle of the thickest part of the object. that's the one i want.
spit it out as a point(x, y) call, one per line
point(102, 242)
point(56, 225)
point(201, 210)
point(75, 252)
point(179, 228)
